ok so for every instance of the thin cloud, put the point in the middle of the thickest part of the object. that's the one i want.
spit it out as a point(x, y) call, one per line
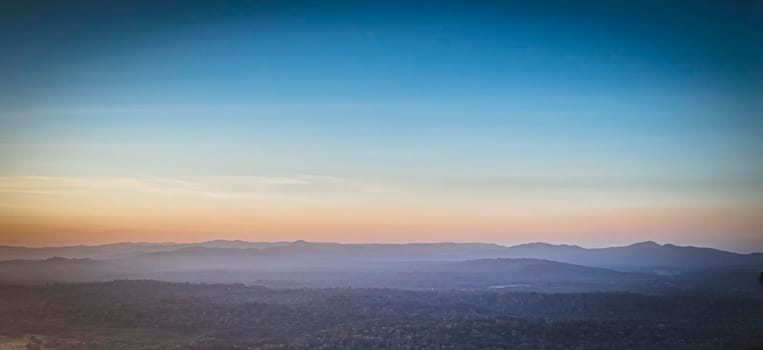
point(292, 188)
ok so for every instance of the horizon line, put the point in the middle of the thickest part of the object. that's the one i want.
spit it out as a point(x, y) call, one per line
point(371, 243)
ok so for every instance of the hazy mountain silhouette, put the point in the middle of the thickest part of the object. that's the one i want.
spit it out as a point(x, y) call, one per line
point(509, 274)
point(645, 256)
point(117, 250)
point(642, 267)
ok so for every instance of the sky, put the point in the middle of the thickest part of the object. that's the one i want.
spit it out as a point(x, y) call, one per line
point(591, 123)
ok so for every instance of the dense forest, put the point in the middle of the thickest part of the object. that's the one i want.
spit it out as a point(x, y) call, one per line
point(162, 315)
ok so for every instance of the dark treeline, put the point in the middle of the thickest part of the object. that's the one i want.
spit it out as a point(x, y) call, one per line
point(160, 315)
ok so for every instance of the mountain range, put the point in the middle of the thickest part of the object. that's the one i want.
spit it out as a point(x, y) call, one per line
point(642, 257)
point(640, 267)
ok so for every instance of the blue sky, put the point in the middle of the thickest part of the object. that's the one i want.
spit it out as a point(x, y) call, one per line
point(638, 106)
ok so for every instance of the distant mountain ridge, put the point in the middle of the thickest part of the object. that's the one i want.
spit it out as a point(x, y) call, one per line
point(640, 267)
point(643, 256)
point(502, 273)
point(637, 257)
point(122, 250)
point(117, 250)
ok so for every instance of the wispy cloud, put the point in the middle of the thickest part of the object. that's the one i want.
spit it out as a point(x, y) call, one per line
point(296, 188)
point(72, 185)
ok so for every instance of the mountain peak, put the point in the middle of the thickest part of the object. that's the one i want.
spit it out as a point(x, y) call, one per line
point(646, 244)
point(545, 245)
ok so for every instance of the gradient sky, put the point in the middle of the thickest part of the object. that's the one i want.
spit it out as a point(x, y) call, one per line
point(594, 124)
